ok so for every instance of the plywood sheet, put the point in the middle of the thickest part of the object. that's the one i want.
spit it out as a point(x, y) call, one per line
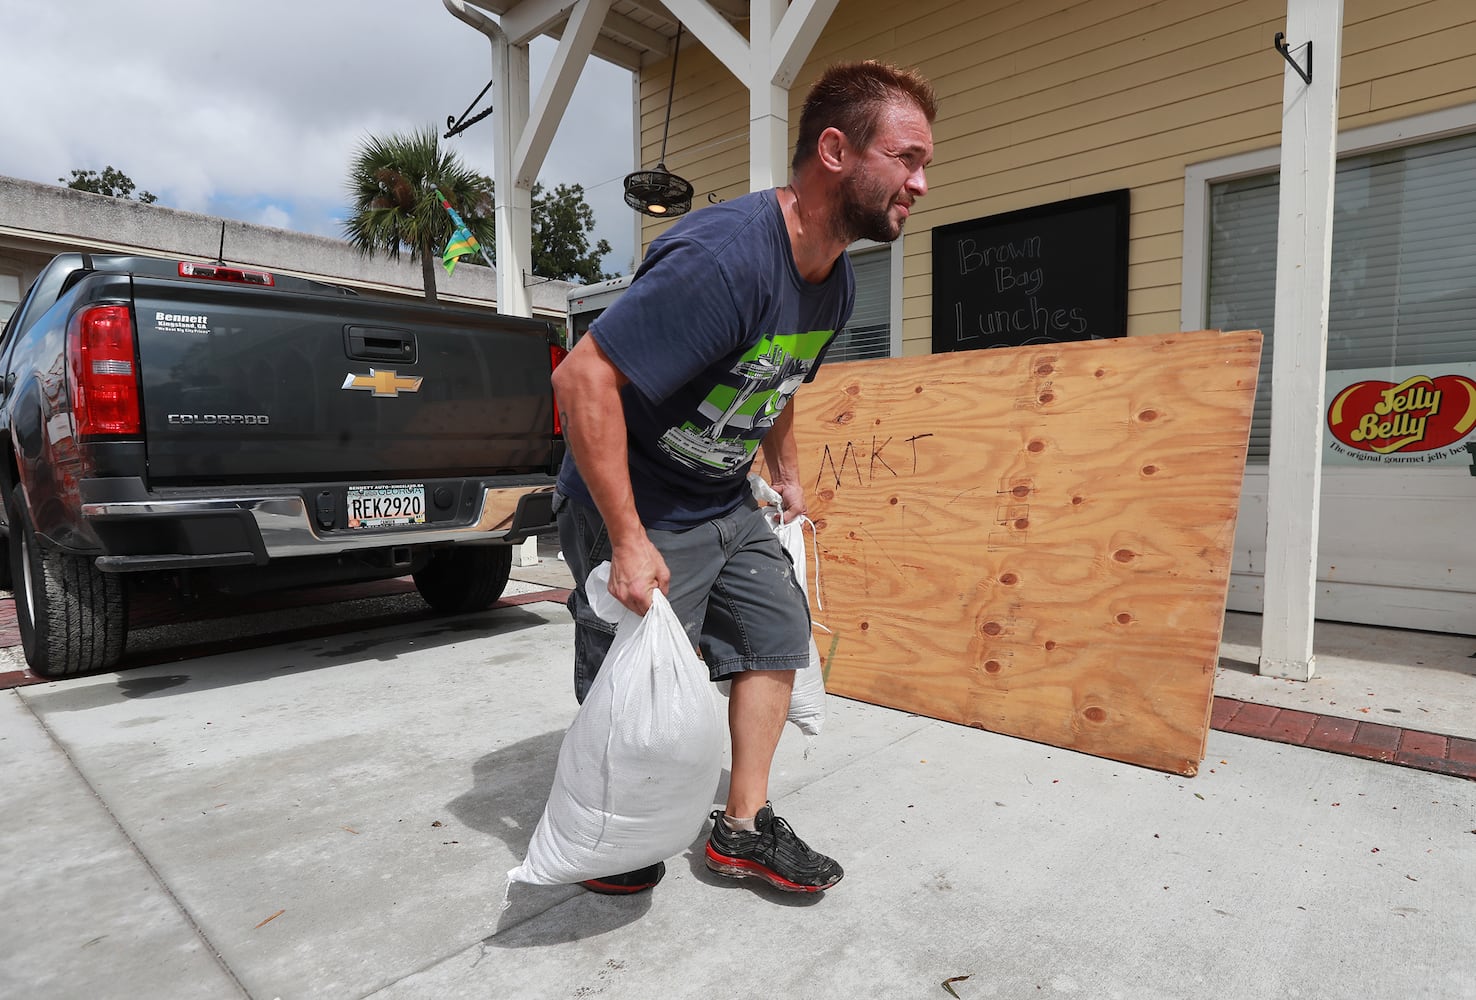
point(1036, 540)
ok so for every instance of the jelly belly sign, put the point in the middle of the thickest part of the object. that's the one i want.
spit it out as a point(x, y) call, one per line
point(1401, 416)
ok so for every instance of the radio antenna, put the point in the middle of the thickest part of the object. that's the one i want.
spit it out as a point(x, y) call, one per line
point(220, 256)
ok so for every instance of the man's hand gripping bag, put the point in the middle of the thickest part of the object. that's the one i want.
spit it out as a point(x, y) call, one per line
point(640, 763)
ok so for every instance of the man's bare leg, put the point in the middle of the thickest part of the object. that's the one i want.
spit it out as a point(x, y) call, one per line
point(758, 704)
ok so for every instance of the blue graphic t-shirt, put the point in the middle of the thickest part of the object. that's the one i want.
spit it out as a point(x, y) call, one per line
point(715, 333)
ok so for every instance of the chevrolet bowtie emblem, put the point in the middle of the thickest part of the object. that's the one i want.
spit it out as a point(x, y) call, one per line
point(382, 383)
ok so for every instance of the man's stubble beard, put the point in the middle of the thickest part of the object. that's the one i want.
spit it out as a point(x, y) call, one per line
point(860, 219)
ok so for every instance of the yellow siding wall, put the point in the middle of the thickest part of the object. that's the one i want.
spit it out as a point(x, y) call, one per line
point(1049, 99)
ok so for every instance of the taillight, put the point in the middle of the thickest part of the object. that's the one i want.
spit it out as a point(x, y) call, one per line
point(102, 378)
point(219, 272)
point(556, 354)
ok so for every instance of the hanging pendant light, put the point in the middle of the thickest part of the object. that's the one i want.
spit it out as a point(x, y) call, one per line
point(661, 193)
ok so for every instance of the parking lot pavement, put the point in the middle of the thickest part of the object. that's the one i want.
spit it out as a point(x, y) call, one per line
point(333, 816)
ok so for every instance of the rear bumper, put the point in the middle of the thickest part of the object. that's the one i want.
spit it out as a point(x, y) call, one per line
point(165, 532)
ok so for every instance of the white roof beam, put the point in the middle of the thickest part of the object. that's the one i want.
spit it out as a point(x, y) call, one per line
point(532, 18)
point(636, 34)
point(796, 36)
point(712, 30)
point(611, 51)
point(733, 10)
point(578, 40)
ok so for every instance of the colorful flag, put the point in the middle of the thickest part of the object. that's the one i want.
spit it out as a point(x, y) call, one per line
point(462, 241)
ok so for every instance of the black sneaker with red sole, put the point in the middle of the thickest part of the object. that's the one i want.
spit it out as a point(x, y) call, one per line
point(629, 883)
point(772, 852)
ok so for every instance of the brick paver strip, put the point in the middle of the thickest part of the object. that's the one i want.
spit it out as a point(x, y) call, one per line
point(1375, 740)
point(1451, 755)
point(1224, 710)
point(1291, 726)
point(1330, 733)
point(1423, 744)
point(1254, 720)
point(1461, 750)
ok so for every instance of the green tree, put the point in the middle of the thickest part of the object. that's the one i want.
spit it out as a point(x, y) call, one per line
point(392, 181)
point(112, 182)
point(562, 223)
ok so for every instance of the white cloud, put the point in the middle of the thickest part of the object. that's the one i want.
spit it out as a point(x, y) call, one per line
point(253, 110)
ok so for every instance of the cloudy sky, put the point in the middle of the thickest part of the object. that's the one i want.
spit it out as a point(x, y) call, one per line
point(252, 110)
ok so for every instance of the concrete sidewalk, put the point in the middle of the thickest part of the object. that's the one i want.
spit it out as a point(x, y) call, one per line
point(334, 818)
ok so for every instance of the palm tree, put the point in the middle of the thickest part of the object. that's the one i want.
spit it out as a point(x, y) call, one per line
point(392, 182)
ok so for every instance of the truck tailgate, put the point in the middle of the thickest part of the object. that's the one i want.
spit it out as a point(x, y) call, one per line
point(253, 384)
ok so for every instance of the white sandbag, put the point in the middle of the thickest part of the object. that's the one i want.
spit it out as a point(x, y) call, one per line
point(640, 763)
point(807, 702)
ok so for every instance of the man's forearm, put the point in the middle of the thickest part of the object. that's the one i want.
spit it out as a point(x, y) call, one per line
point(595, 431)
point(780, 451)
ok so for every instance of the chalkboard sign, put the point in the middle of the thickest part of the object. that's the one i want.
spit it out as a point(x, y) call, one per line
point(1040, 275)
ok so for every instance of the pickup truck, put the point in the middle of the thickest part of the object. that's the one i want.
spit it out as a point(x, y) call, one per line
point(227, 430)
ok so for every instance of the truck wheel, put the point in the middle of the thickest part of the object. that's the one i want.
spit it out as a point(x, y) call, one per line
point(73, 618)
point(470, 578)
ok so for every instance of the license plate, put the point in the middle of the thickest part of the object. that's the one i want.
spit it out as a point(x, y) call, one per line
point(382, 506)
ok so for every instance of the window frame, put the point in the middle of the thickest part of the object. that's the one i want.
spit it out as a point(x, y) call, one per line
point(1194, 297)
point(894, 289)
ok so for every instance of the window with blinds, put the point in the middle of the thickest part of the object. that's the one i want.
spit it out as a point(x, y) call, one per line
point(869, 333)
point(1403, 288)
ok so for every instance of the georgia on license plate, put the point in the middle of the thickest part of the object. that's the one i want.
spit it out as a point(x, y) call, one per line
point(379, 506)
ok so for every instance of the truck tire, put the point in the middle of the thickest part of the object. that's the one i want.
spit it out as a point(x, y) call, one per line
point(73, 618)
point(470, 578)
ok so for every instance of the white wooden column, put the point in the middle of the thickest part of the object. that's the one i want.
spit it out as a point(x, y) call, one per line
point(514, 202)
point(768, 104)
point(1309, 132)
point(781, 35)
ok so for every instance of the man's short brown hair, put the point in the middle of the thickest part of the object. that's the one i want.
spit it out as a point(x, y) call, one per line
point(850, 97)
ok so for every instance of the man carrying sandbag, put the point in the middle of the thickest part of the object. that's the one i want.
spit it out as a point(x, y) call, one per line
point(666, 401)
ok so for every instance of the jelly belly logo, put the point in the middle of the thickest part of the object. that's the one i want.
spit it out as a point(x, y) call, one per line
point(1419, 414)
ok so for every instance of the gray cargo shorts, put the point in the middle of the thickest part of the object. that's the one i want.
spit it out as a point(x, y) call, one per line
point(732, 586)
